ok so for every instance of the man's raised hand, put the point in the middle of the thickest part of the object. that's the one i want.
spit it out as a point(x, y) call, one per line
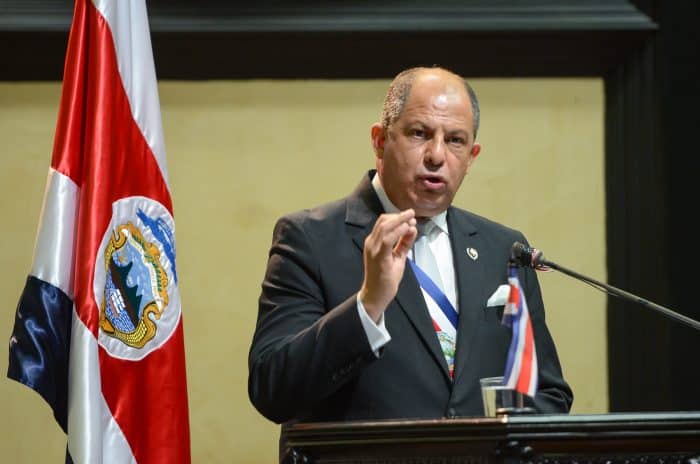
point(386, 248)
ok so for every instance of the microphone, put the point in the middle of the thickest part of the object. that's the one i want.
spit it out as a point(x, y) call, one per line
point(524, 256)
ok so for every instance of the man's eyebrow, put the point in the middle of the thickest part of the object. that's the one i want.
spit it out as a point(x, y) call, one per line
point(418, 122)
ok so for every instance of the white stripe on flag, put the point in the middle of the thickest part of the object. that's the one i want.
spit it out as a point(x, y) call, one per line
point(93, 434)
point(129, 25)
point(53, 249)
point(532, 387)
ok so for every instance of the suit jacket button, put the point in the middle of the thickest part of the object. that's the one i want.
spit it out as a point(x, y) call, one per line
point(451, 413)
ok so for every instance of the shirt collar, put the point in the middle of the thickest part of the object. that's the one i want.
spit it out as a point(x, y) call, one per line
point(440, 220)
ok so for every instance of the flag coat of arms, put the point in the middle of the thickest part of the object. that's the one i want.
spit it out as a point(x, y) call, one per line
point(98, 329)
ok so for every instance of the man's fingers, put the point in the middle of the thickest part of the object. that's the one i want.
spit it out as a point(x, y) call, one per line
point(389, 230)
point(390, 221)
point(400, 234)
point(405, 242)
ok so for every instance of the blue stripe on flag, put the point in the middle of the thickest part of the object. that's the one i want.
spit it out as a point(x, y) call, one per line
point(40, 344)
point(515, 339)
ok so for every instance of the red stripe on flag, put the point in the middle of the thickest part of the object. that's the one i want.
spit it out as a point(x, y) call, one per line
point(515, 296)
point(141, 407)
point(523, 385)
point(68, 141)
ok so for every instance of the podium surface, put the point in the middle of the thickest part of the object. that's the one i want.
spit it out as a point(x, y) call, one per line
point(623, 438)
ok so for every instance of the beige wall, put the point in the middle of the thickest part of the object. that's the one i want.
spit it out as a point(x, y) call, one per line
point(241, 154)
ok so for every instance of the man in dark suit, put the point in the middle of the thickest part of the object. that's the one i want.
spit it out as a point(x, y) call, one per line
point(345, 331)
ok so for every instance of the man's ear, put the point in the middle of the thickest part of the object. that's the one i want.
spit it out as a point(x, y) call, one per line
point(476, 149)
point(378, 135)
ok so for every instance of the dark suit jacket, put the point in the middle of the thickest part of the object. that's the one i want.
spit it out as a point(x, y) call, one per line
point(310, 359)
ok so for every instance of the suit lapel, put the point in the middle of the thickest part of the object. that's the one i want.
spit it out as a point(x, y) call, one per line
point(411, 300)
point(363, 208)
point(470, 286)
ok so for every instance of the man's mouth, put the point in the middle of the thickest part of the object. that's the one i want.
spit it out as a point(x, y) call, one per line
point(433, 183)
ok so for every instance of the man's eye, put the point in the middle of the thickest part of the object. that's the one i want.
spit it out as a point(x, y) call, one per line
point(457, 140)
point(419, 133)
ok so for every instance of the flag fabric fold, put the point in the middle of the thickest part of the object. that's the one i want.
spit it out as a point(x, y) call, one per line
point(98, 329)
point(39, 344)
point(521, 365)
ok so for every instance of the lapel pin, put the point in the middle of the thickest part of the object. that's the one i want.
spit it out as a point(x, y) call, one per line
point(472, 253)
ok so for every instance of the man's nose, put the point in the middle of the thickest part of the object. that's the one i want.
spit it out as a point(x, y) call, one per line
point(435, 152)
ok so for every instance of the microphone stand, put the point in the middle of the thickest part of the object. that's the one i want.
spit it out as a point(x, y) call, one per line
point(614, 291)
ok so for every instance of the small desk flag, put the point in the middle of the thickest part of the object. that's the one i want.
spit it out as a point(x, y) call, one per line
point(521, 366)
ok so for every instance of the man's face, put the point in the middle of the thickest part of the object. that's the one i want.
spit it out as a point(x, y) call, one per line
point(424, 155)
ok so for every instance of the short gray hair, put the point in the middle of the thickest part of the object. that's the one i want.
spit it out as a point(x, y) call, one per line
point(400, 88)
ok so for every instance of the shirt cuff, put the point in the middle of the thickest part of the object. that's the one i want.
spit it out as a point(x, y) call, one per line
point(377, 334)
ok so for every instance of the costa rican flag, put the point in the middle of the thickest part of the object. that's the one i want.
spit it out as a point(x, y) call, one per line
point(98, 330)
point(521, 366)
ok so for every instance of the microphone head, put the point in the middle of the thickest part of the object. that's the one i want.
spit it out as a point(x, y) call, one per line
point(520, 254)
point(526, 256)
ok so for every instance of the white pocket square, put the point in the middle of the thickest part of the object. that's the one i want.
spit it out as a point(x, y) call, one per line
point(499, 297)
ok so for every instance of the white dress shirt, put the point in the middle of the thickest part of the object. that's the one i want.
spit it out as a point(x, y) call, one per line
point(439, 243)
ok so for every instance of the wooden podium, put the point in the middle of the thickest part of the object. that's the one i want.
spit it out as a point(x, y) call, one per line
point(666, 438)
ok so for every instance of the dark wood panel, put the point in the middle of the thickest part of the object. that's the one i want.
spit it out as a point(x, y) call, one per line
point(650, 438)
point(347, 39)
point(349, 15)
